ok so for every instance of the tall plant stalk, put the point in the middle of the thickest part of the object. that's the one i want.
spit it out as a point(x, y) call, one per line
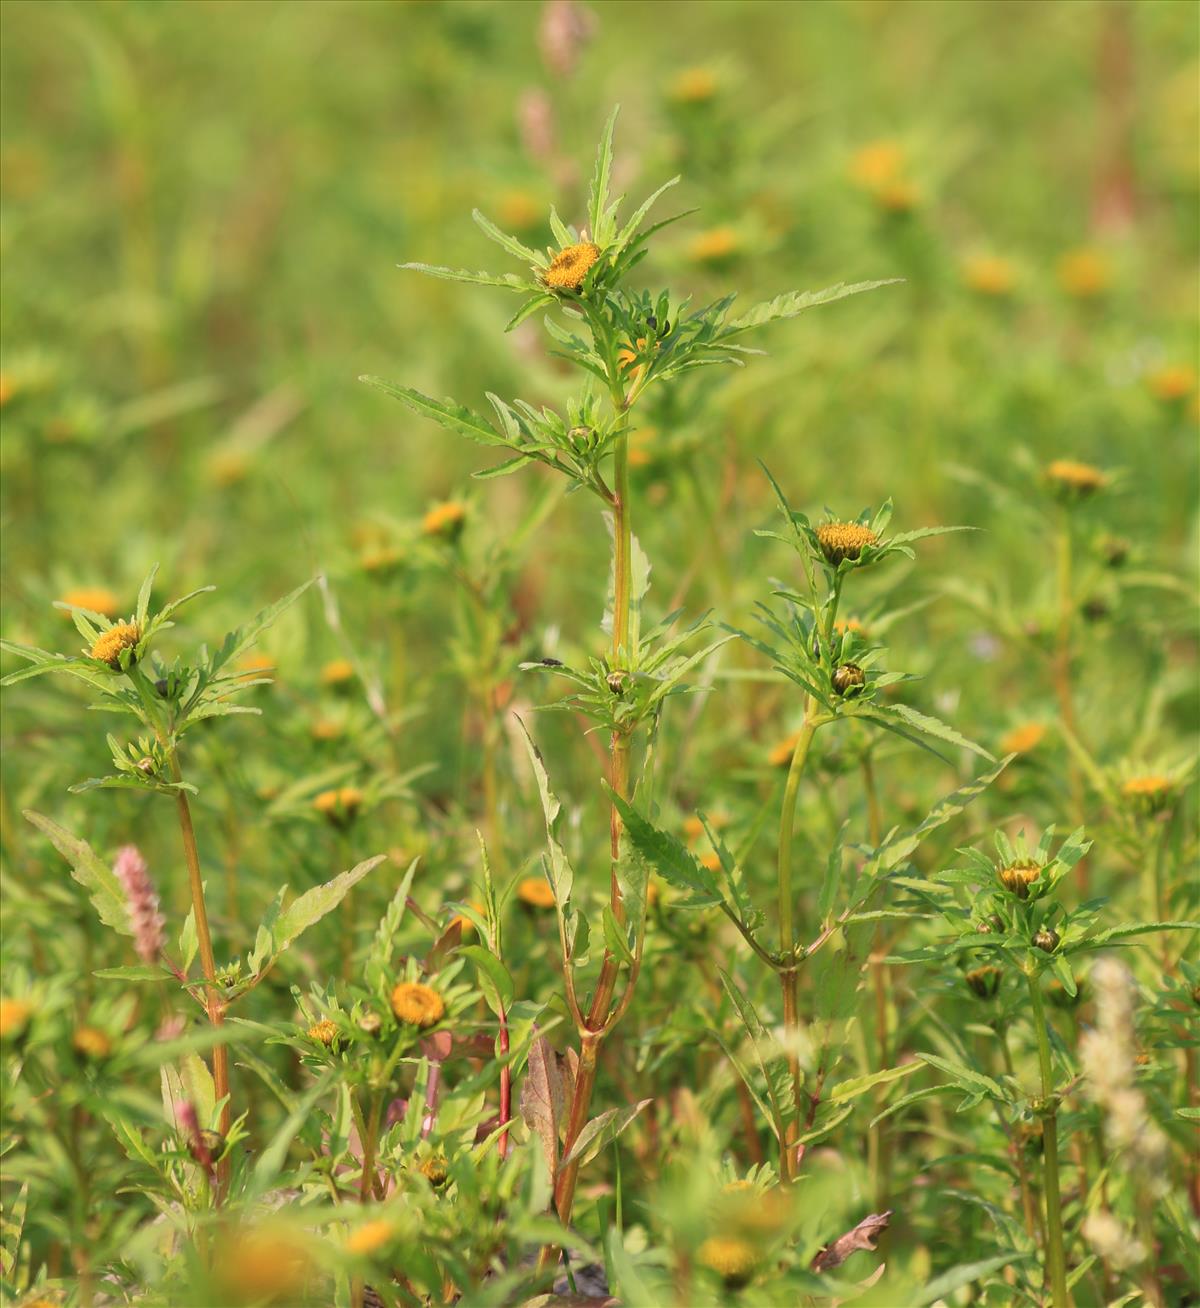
point(1055, 1253)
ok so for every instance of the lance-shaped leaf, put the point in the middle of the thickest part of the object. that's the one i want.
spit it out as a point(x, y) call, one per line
point(931, 726)
point(448, 413)
point(312, 906)
point(669, 857)
point(494, 980)
point(506, 281)
point(600, 1132)
point(97, 878)
point(601, 176)
point(558, 868)
point(793, 303)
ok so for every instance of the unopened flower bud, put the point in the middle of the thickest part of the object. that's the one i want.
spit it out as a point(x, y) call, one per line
point(849, 679)
point(1046, 940)
point(1019, 876)
point(984, 981)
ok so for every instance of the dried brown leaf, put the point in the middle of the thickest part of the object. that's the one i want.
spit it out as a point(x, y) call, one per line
point(862, 1236)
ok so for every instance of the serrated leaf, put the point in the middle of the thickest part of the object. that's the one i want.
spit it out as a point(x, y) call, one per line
point(601, 177)
point(965, 1078)
point(509, 243)
point(506, 281)
point(858, 1085)
point(795, 302)
point(312, 906)
point(447, 413)
point(97, 878)
point(932, 726)
point(669, 857)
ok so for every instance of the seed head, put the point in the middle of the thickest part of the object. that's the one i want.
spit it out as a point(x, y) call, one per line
point(844, 540)
point(91, 1042)
point(984, 981)
point(109, 644)
point(371, 1237)
point(732, 1259)
point(1019, 876)
point(848, 679)
point(1073, 479)
point(445, 520)
point(96, 599)
point(148, 923)
point(1046, 940)
point(14, 1017)
point(324, 1032)
point(417, 1004)
point(570, 266)
point(536, 892)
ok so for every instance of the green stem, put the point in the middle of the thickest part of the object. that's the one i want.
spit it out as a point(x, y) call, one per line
point(208, 964)
point(1054, 1232)
point(787, 938)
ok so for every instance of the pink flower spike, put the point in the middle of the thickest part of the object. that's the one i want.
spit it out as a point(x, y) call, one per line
point(144, 916)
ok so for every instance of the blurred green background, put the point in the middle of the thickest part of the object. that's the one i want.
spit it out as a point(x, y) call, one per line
point(203, 209)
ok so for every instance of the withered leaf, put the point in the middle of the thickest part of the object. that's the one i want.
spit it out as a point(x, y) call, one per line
point(541, 1100)
point(863, 1236)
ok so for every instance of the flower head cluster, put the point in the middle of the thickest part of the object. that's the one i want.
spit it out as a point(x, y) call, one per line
point(144, 915)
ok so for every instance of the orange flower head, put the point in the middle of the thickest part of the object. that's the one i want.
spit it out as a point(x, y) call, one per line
point(14, 1017)
point(1174, 382)
point(536, 892)
point(1023, 738)
point(989, 274)
point(109, 645)
point(323, 1032)
point(844, 540)
point(877, 164)
point(714, 246)
point(1084, 273)
point(570, 266)
point(444, 519)
point(91, 1042)
point(694, 86)
point(337, 672)
point(370, 1238)
point(734, 1260)
point(417, 1004)
point(1074, 478)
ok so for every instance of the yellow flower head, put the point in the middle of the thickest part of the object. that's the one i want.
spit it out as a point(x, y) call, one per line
point(714, 246)
point(781, 754)
point(108, 644)
point(434, 1171)
point(14, 1017)
point(1150, 792)
point(420, 1005)
point(228, 467)
point(1084, 273)
point(732, 1259)
point(536, 892)
point(1074, 478)
point(899, 196)
point(371, 1237)
point(844, 540)
point(324, 1032)
point(1023, 738)
point(1019, 876)
point(694, 86)
point(326, 729)
point(379, 560)
point(1174, 382)
point(877, 164)
point(337, 672)
point(570, 266)
point(989, 274)
point(844, 625)
point(96, 599)
point(340, 804)
point(260, 1267)
point(91, 1042)
point(444, 519)
point(519, 210)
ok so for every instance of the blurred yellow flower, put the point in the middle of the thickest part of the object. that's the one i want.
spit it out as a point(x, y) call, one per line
point(337, 672)
point(1084, 273)
point(732, 1259)
point(1074, 477)
point(989, 274)
point(262, 1266)
point(371, 1237)
point(715, 245)
point(14, 1016)
point(91, 1042)
point(536, 892)
point(1023, 738)
point(444, 519)
point(96, 599)
point(339, 805)
point(877, 164)
point(694, 86)
point(1174, 382)
point(519, 210)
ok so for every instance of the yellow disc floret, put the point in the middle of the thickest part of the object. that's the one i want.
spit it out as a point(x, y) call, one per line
point(324, 1032)
point(109, 644)
point(570, 266)
point(844, 540)
point(418, 1004)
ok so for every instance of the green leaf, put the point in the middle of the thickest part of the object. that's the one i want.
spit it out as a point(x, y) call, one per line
point(965, 1078)
point(630, 229)
point(600, 1132)
point(933, 727)
point(507, 281)
point(615, 937)
point(858, 1085)
point(312, 906)
point(962, 1275)
point(558, 868)
point(795, 302)
point(601, 177)
point(454, 417)
point(510, 243)
point(494, 980)
point(135, 972)
point(669, 857)
point(104, 890)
